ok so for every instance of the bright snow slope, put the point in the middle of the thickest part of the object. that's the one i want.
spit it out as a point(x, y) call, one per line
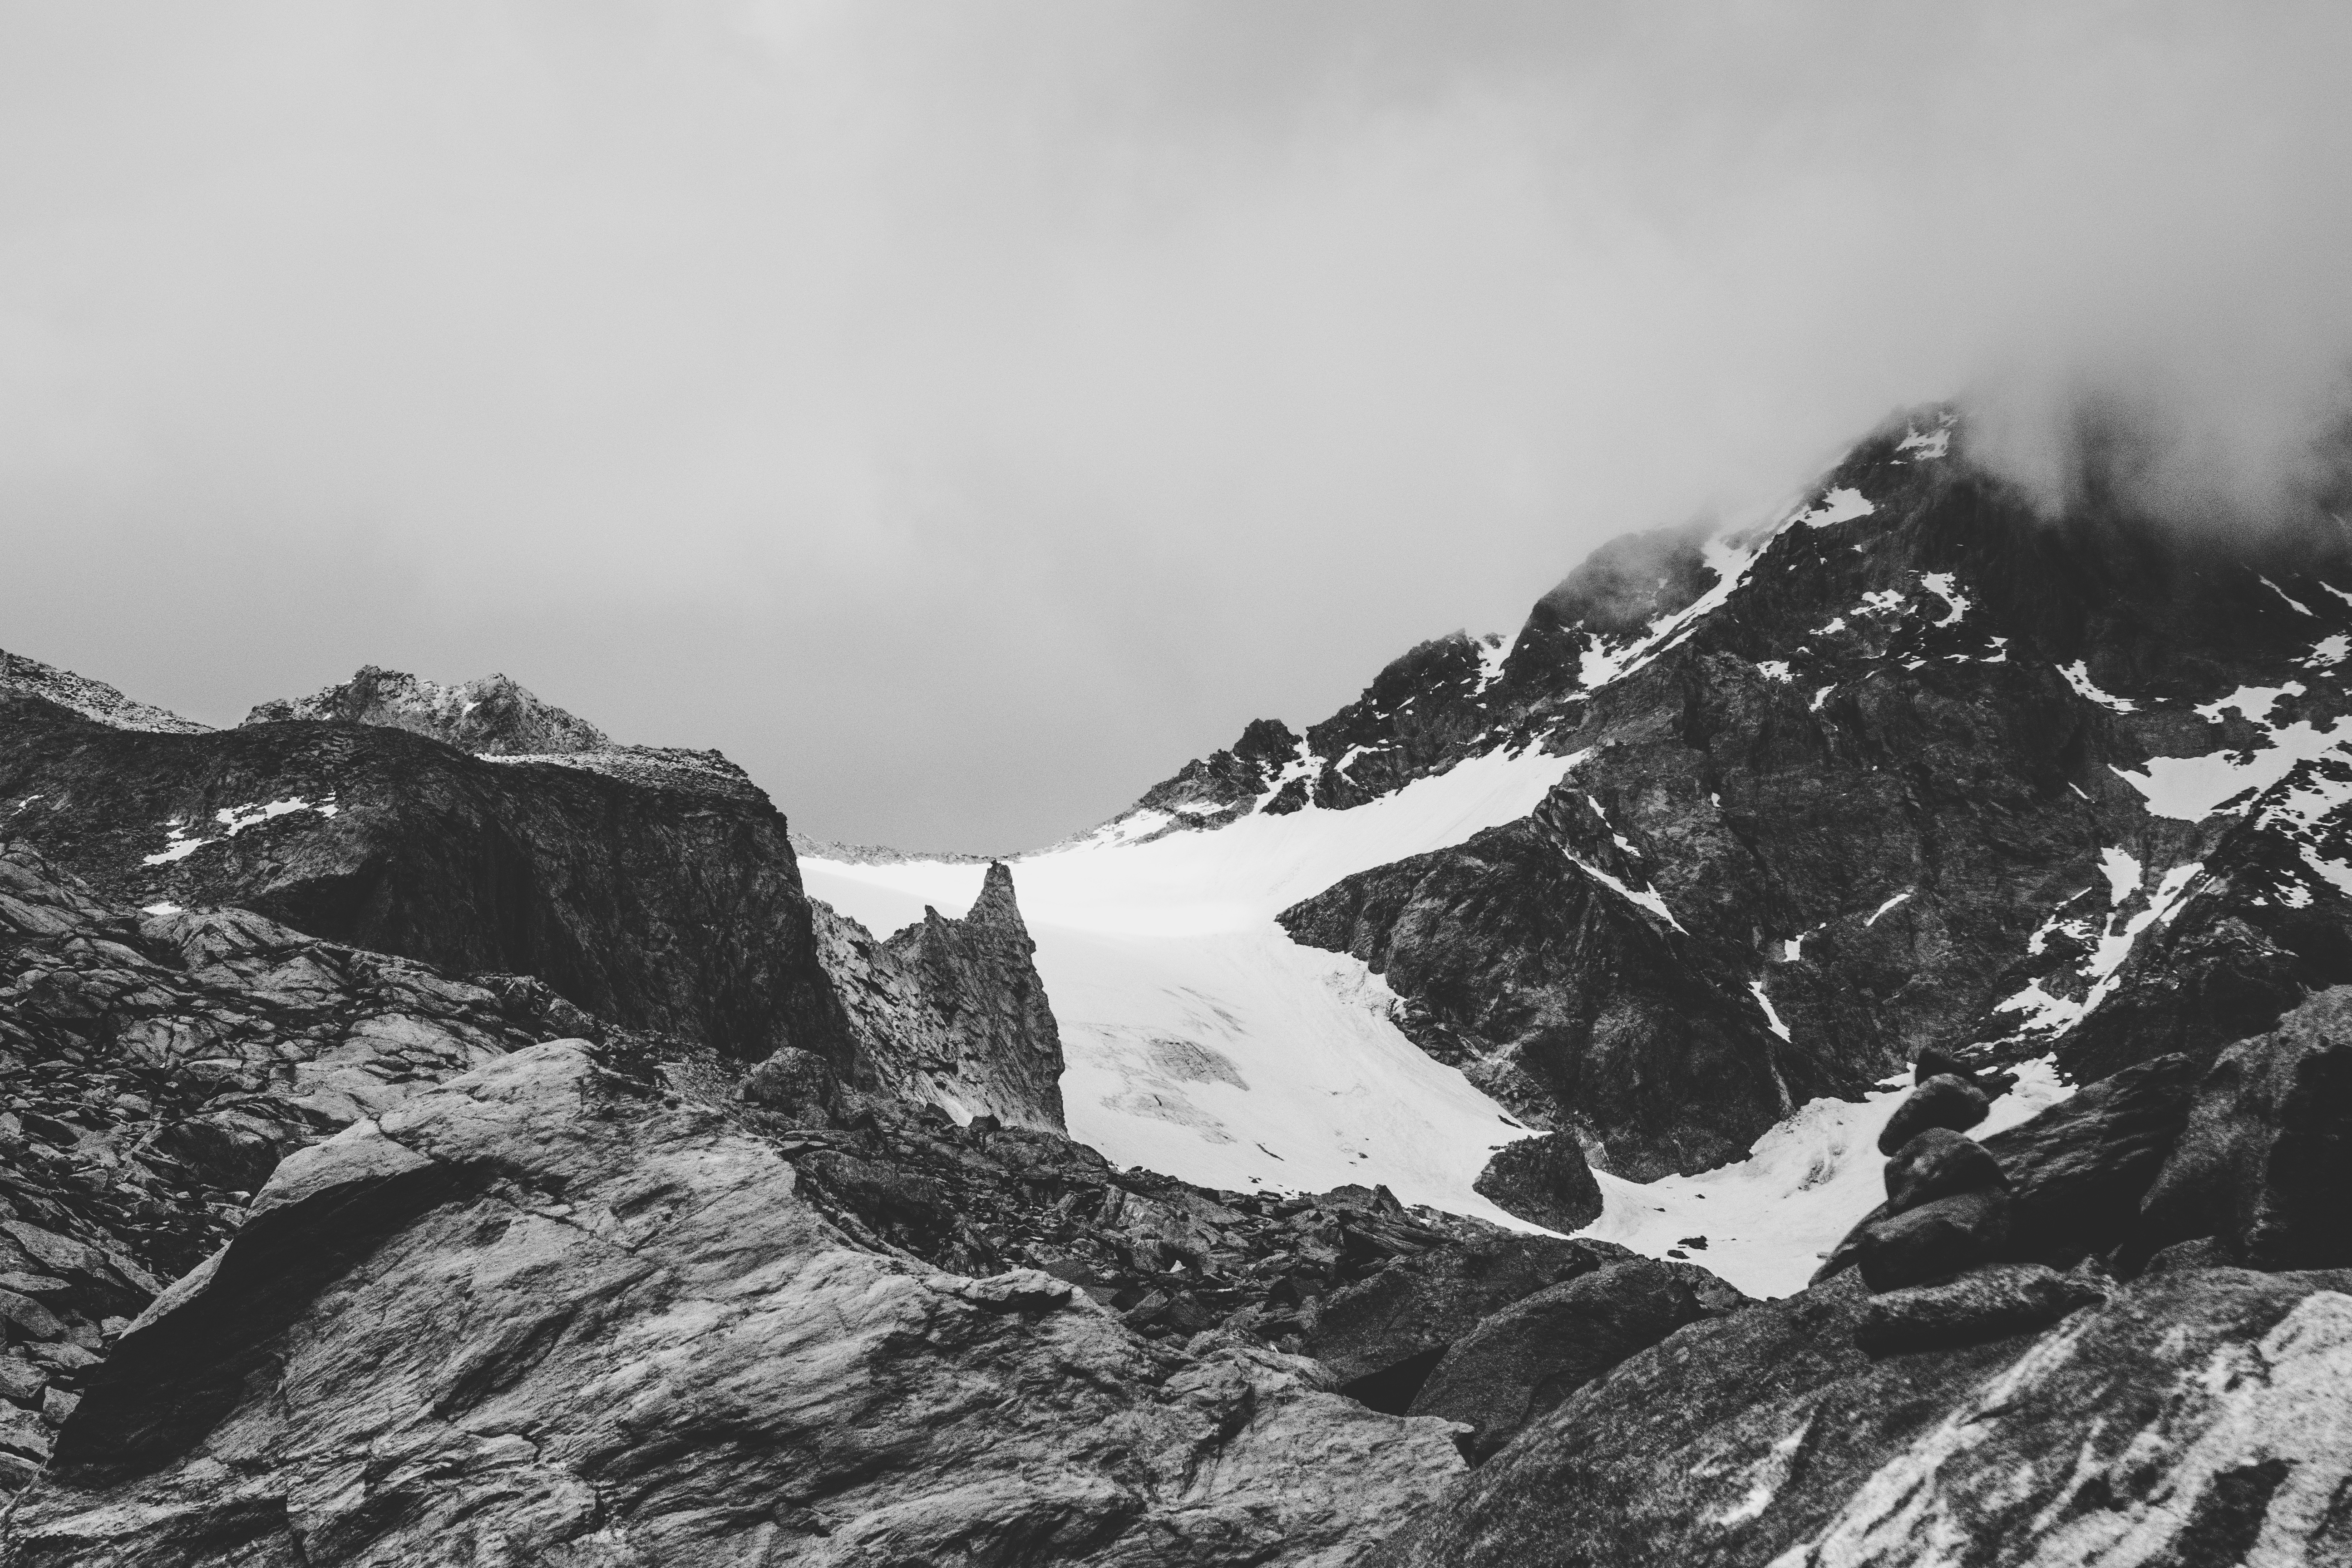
point(1202, 1041)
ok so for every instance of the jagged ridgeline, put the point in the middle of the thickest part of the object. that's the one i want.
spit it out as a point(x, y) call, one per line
point(1904, 940)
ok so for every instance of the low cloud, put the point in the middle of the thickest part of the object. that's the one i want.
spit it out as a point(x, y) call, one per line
point(963, 414)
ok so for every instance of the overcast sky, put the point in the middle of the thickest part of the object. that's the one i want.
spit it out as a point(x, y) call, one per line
point(963, 414)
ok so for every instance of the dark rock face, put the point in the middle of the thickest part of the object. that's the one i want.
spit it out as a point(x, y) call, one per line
point(2078, 1171)
point(1770, 1436)
point(1570, 1004)
point(2263, 1162)
point(951, 1012)
point(1524, 1359)
point(1987, 1303)
point(1384, 1334)
point(598, 1329)
point(1939, 1164)
point(661, 909)
point(159, 1068)
point(1943, 1101)
point(1543, 1180)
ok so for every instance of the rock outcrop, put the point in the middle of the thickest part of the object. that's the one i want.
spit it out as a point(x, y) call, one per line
point(1524, 1359)
point(951, 1012)
point(2263, 1162)
point(660, 910)
point(536, 1314)
point(158, 1067)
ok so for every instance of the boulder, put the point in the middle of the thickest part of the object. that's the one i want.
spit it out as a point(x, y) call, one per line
point(1943, 1101)
point(1939, 1164)
point(1543, 1180)
point(2264, 1163)
point(1524, 1359)
point(1933, 1241)
point(1383, 1335)
point(797, 1085)
point(1982, 1304)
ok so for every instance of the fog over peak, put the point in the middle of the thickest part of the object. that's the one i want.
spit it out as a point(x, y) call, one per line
point(961, 415)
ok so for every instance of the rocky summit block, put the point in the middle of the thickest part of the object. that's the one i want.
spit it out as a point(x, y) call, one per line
point(538, 1315)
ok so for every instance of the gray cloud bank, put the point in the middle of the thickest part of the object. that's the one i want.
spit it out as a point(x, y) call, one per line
point(963, 415)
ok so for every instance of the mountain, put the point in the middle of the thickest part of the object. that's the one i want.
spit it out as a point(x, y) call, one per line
point(1727, 828)
point(1901, 945)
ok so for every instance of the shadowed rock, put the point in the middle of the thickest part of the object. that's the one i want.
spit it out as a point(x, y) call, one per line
point(2264, 1161)
point(1941, 1101)
point(1525, 1359)
point(1543, 1180)
point(1982, 1304)
point(1933, 1240)
point(1939, 1164)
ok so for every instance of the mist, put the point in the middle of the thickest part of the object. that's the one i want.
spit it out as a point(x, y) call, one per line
point(963, 415)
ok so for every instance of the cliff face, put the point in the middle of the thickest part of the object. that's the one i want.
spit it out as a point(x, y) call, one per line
point(666, 909)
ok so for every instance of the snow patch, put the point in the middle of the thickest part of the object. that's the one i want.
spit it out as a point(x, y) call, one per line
point(1944, 585)
point(179, 844)
point(2191, 789)
point(1771, 1217)
point(1841, 505)
point(1772, 1017)
point(1775, 670)
point(2292, 602)
point(1899, 898)
point(1927, 443)
point(2078, 676)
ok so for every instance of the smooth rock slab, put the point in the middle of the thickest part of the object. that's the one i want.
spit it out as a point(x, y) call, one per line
point(567, 1325)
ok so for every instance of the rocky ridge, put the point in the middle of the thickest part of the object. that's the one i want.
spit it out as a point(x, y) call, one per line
point(1915, 766)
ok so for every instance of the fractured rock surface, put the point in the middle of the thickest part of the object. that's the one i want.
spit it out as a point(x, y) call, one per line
point(562, 1320)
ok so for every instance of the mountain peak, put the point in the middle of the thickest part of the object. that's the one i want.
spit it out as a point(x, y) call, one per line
point(492, 716)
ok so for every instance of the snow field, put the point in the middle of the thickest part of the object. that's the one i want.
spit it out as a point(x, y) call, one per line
point(1201, 1040)
point(1769, 1219)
